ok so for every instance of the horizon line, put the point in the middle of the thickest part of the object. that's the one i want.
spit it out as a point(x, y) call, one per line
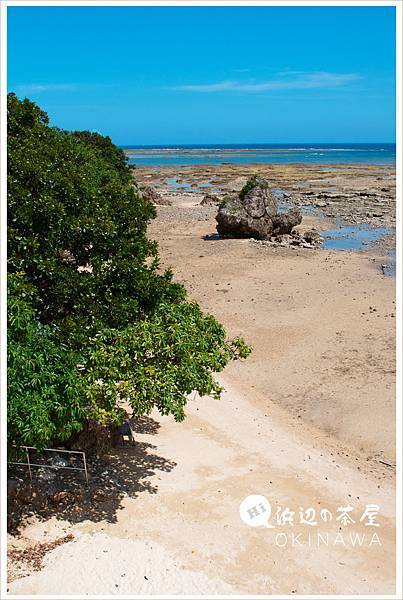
point(251, 144)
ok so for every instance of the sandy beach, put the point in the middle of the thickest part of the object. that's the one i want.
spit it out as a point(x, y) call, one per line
point(308, 420)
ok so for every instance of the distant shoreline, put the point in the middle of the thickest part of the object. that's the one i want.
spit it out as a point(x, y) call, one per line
point(315, 154)
point(254, 145)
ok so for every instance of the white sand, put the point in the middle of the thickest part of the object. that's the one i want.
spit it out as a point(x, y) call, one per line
point(188, 537)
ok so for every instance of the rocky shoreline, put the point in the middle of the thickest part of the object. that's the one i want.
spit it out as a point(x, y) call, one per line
point(346, 194)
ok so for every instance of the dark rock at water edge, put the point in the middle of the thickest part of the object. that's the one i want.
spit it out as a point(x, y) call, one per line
point(254, 213)
point(309, 239)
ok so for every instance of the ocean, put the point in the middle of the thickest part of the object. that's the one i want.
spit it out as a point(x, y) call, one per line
point(380, 154)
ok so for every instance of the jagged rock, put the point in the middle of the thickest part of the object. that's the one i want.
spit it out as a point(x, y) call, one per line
point(295, 239)
point(151, 196)
point(285, 222)
point(210, 200)
point(313, 237)
point(253, 213)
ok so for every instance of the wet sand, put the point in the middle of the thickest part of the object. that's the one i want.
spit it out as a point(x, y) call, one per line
point(321, 325)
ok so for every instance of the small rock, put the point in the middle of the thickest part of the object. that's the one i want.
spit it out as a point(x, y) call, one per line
point(151, 196)
point(210, 200)
point(313, 237)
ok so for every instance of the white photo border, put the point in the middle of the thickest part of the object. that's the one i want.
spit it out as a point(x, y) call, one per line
point(4, 5)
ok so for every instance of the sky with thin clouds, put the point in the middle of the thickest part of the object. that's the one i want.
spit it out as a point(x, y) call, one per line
point(189, 75)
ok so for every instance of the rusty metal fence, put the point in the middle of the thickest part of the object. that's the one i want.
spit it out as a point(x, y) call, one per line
point(31, 464)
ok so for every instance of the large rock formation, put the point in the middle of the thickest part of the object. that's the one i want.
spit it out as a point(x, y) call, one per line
point(253, 213)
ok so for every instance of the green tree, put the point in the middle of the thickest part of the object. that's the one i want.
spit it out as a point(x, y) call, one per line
point(122, 328)
point(44, 385)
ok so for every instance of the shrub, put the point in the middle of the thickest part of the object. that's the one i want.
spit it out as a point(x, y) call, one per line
point(45, 389)
point(254, 181)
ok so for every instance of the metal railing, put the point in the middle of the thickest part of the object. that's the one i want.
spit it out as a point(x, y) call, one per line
point(30, 464)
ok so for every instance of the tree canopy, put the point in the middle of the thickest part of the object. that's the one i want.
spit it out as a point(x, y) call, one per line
point(92, 319)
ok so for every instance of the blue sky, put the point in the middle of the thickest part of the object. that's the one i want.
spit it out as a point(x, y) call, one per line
point(171, 75)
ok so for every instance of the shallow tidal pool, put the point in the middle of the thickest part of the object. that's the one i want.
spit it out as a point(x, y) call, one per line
point(352, 237)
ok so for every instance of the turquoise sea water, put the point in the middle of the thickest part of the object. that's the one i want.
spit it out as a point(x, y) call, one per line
point(382, 154)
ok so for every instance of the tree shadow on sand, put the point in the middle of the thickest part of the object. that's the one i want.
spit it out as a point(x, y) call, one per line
point(126, 471)
point(145, 425)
